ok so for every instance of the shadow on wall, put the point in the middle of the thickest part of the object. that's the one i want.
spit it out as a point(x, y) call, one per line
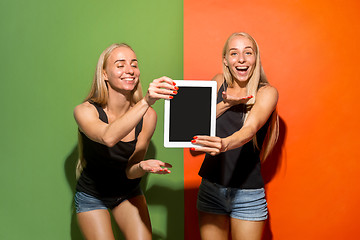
point(168, 198)
point(269, 169)
point(70, 167)
point(154, 196)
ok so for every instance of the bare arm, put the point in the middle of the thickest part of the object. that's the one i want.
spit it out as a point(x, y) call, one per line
point(88, 121)
point(265, 104)
point(137, 166)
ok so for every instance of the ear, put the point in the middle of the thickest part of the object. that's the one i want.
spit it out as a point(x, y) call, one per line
point(225, 62)
point(105, 75)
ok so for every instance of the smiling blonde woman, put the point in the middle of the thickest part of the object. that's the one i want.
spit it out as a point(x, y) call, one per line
point(115, 127)
point(231, 196)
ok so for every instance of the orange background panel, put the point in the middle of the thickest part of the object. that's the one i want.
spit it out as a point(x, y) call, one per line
point(310, 53)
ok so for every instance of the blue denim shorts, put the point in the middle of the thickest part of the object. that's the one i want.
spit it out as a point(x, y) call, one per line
point(244, 204)
point(85, 202)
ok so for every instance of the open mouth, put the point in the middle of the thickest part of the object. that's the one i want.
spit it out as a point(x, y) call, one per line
point(128, 79)
point(242, 69)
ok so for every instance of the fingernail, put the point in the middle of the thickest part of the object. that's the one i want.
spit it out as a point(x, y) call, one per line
point(176, 88)
point(174, 83)
point(192, 149)
point(175, 92)
point(195, 137)
point(171, 97)
point(193, 141)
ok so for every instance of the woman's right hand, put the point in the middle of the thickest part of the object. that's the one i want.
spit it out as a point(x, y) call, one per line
point(160, 88)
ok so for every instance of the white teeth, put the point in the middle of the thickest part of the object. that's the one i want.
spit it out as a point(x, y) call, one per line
point(241, 68)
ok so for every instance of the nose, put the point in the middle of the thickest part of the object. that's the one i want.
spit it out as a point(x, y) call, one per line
point(129, 69)
point(241, 58)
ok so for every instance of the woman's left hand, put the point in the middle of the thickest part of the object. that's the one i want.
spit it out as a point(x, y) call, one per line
point(234, 100)
point(208, 144)
point(155, 166)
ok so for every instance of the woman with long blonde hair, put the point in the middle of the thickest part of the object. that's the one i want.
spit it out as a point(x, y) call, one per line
point(231, 196)
point(115, 128)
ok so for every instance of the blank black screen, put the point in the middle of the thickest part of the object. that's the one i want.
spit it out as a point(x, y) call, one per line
point(190, 113)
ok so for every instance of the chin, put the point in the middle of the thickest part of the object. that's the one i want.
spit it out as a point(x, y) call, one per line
point(243, 78)
point(130, 89)
point(129, 86)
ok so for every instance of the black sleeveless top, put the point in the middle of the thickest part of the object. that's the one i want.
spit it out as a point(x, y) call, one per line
point(239, 167)
point(104, 174)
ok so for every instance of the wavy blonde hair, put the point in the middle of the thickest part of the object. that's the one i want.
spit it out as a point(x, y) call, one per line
point(257, 80)
point(99, 93)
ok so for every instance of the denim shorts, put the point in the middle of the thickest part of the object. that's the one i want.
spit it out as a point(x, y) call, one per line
point(85, 202)
point(244, 204)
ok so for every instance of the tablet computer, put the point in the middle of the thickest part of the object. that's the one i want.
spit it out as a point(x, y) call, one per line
point(191, 112)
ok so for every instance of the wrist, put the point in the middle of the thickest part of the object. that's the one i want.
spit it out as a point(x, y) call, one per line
point(145, 101)
point(224, 144)
point(227, 105)
point(140, 166)
point(149, 100)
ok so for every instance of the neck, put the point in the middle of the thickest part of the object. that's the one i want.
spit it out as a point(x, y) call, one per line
point(118, 102)
point(240, 86)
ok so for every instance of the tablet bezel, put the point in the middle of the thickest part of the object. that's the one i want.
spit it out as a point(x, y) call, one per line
point(167, 109)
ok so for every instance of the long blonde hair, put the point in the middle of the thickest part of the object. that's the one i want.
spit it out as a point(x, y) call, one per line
point(257, 80)
point(99, 94)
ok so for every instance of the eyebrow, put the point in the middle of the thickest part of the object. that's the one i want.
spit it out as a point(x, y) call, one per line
point(123, 60)
point(237, 48)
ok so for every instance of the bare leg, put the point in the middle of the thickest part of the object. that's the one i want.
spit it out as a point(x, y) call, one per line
point(213, 226)
point(132, 217)
point(246, 230)
point(96, 225)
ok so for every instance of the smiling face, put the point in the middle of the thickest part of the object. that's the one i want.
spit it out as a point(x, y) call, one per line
point(240, 58)
point(121, 69)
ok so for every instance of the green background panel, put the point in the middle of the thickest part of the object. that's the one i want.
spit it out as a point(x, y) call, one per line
point(49, 50)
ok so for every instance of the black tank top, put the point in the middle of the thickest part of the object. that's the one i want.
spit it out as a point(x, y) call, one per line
point(240, 167)
point(104, 174)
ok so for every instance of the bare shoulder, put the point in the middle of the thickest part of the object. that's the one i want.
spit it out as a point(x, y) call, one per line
point(266, 98)
point(267, 92)
point(219, 78)
point(84, 109)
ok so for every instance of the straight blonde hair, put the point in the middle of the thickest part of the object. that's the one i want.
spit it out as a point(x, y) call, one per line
point(256, 81)
point(99, 94)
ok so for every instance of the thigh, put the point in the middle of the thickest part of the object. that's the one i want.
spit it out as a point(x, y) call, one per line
point(246, 230)
point(249, 204)
point(96, 224)
point(132, 217)
point(85, 202)
point(212, 198)
point(213, 226)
